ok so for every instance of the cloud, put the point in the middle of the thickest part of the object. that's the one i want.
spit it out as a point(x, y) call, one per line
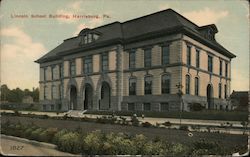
point(239, 81)
point(18, 52)
point(206, 16)
point(75, 5)
point(65, 16)
point(89, 24)
point(164, 6)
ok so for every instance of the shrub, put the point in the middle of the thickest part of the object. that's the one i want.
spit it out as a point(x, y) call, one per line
point(118, 144)
point(93, 142)
point(50, 132)
point(183, 127)
point(196, 107)
point(146, 124)
point(139, 143)
point(17, 113)
point(70, 142)
point(135, 121)
point(205, 147)
point(178, 150)
point(58, 135)
point(154, 148)
point(35, 135)
point(28, 130)
point(167, 123)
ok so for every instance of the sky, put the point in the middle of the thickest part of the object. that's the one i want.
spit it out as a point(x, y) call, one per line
point(24, 40)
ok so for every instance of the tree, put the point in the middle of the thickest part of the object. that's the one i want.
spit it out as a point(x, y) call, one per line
point(35, 94)
point(5, 91)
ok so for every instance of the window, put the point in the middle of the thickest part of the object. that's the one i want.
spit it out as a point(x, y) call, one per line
point(220, 90)
point(88, 38)
point(187, 84)
point(165, 84)
point(132, 86)
point(54, 73)
point(210, 64)
point(225, 91)
point(147, 58)
point(220, 68)
point(44, 74)
point(46, 92)
point(88, 64)
point(146, 106)
point(131, 106)
point(52, 107)
point(196, 86)
point(44, 108)
point(164, 106)
point(148, 85)
point(61, 70)
point(105, 62)
point(188, 55)
point(72, 68)
point(53, 92)
point(165, 54)
point(226, 70)
point(197, 58)
point(60, 91)
point(131, 59)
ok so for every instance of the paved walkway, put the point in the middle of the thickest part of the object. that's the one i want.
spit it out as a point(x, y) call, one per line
point(14, 146)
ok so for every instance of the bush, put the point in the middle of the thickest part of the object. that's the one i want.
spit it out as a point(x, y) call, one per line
point(178, 150)
point(35, 135)
point(168, 124)
point(196, 107)
point(155, 148)
point(135, 121)
point(70, 142)
point(146, 124)
point(205, 147)
point(58, 135)
point(139, 143)
point(118, 144)
point(93, 142)
point(184, 127)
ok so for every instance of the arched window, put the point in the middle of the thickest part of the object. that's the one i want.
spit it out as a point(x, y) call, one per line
point(165, 84)
point(148, 85)
point(196, 86)
point(187, 84)
point(132, 86)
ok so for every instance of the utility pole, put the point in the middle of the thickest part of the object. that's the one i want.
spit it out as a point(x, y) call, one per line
point(180, 93)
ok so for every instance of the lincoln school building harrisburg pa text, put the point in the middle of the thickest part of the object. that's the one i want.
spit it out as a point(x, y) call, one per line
point(153, 63)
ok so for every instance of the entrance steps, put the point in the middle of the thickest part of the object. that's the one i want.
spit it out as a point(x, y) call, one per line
point(76, 113)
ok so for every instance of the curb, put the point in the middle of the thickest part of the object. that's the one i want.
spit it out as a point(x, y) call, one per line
point(36, 143)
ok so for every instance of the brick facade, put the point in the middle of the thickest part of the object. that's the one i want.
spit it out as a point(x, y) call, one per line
point(109, 89)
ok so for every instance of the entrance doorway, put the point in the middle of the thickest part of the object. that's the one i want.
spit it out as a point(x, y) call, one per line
point(73, 98)
point(105, 96)
point(88, 96)
point(210, 96)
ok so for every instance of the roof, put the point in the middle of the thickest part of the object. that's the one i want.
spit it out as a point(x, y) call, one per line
point(166, 20)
